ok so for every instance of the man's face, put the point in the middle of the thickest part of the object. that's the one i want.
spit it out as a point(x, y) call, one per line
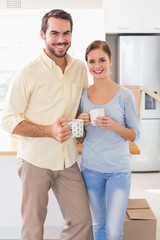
point(57, 37)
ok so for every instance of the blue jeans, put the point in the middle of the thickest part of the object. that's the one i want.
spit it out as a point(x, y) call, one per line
point(108, 196)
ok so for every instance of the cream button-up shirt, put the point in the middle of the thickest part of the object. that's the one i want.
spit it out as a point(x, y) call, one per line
point(41, 93)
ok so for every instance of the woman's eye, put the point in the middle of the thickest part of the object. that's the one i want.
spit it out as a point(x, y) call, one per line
point(102, 60)
point(91, 61)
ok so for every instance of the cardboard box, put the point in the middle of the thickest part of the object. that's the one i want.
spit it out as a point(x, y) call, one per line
point(140, 222)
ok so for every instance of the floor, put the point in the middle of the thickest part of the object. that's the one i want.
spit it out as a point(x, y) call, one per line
point(147, 185)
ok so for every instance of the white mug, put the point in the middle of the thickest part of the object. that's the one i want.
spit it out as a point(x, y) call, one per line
point(94, 113)
point(77, 127)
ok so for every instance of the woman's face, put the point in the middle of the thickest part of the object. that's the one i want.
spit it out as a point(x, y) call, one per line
point(99, 63)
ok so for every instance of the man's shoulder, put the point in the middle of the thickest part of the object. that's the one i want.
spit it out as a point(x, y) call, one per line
point(79, 61)
point(32, 64)
point(79, 64)
point(76, 61)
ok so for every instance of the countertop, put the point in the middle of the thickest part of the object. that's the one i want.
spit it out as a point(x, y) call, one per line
point(8, 145)
point(132, 147)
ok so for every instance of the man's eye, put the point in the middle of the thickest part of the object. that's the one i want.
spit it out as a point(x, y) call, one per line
point(67, 33)
point(54, 34)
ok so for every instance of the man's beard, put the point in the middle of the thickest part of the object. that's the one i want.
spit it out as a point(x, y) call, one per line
point(59, 55)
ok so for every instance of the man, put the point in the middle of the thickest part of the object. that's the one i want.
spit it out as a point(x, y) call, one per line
point(44, 96)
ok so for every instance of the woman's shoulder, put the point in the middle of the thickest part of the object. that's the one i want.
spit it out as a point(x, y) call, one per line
point(125, 91)
point(126, 95)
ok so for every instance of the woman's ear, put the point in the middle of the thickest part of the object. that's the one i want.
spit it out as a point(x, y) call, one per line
point(110, 62)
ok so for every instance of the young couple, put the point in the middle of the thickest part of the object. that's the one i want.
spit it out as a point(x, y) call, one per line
point(43, 96)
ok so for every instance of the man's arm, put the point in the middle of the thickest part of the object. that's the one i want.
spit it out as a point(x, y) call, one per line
point(58, 130)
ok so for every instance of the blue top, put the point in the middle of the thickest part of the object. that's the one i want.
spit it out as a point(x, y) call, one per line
point(105, 150)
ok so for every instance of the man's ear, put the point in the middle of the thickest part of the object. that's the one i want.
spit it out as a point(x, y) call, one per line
point(43, 35)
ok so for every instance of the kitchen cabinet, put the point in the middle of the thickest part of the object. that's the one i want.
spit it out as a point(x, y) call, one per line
point(11, 193)
point(10, 204)
point(150, 17)
point(120, 16)
point(132, 16)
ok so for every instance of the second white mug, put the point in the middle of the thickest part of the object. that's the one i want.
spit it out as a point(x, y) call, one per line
point(94, 113)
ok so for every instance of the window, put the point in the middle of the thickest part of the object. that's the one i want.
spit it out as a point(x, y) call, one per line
point(20, 42)
point(20, 38)
point(5, 76)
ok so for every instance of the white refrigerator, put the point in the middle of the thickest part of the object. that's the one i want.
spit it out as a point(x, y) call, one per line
point(139, 64)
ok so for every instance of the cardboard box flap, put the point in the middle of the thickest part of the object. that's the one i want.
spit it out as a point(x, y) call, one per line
point(137, 204)
point(140, 214)
point(140, 222)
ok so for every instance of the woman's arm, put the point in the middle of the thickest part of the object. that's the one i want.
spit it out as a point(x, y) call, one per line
point(110, 124)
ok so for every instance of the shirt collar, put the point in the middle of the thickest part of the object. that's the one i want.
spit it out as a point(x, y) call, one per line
point(51, 64)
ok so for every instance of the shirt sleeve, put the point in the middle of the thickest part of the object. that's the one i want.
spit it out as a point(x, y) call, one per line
point(15, 103)
point(131, 114)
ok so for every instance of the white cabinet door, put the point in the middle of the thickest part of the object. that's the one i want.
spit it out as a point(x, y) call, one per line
point(122, 16)
point(132, 16)
point(150, 16)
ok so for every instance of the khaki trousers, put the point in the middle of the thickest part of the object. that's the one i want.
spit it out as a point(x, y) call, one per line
point(69, 189)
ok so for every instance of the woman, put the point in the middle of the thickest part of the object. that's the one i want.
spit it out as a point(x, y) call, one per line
point(106, 161)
